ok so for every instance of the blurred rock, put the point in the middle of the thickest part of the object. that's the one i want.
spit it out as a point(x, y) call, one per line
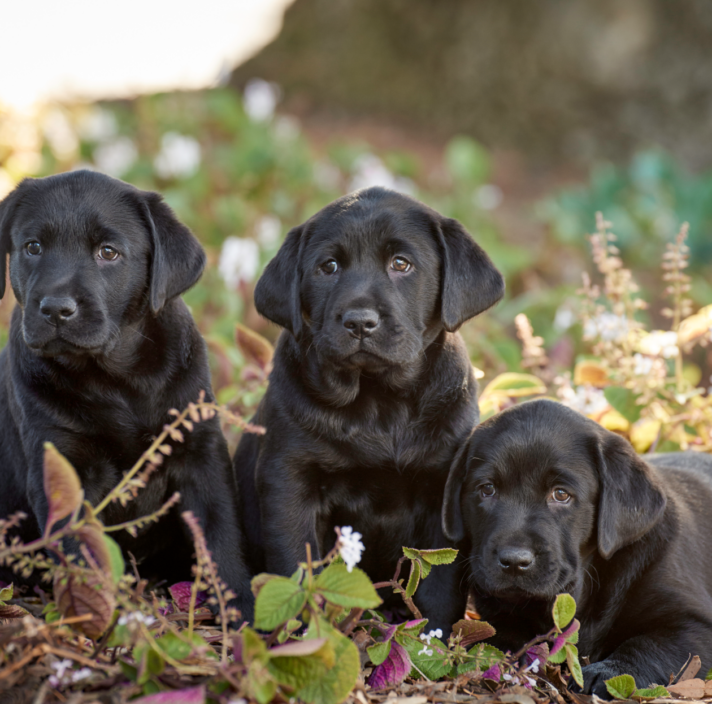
point(553, 79)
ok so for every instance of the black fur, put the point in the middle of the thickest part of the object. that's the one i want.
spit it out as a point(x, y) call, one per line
point(98, 383)
point(631, 545)
point(362, 424)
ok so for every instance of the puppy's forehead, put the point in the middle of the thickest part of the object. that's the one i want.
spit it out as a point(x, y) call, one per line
point(360, 223)
point(526, 450)
point(68, 209)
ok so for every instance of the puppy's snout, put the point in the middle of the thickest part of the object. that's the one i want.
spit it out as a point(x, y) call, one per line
point(361, 322)
point(515, 560)
point(56, 310)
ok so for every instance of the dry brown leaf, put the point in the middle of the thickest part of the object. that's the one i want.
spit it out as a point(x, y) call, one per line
point(61, 484)
point(693, 667)
point(85, 593)
point(690, 689)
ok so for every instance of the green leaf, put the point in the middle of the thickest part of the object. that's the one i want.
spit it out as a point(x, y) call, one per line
point(349, 589)
point(515, 384)
point(482, 656)
point(6, 594)
point(432, 666)
point(467, 160)
point(624, 401)
point(621, 687)
point(338, 681)
point(129, 671)
point(443, 556)
point(261, 684)
point(279, 600)
point(564, 610)
point(298, 670)
point(654, 693)
point(558, 657)
point(253, 647)
point(574, 665)
point(379, 652)
point(180, 648)
point(708, 676)
point(413, 580)
point(116, 559)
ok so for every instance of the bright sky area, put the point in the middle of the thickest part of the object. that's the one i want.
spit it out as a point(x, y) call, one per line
point(66, 49)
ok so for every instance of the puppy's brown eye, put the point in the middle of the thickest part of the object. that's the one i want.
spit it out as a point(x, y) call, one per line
point(330, 266)
point(400, 264)
point(108, 253)
point(487, 490)
point(560, 496)
point(33, 248)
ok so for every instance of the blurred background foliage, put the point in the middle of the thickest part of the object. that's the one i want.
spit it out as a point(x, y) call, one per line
point(240, 174)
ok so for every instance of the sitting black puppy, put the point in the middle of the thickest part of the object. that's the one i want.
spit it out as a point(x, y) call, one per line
point(547, 501)
point(101, 347)
point(372, 390)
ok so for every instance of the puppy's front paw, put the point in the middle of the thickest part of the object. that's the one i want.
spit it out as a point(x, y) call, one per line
point(594, 679)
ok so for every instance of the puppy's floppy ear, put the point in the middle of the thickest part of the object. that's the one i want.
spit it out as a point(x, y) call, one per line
point(178, 259)
point(7, 208)
point(631, 500)
point(453, 525)
point(470, 281)
point(277, 295)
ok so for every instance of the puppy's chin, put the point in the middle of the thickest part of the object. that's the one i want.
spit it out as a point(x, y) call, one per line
point(60, 344)
point(530, 587)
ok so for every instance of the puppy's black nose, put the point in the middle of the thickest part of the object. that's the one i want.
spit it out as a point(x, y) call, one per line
point(515, 559)
point(361, 322)
point(57, 310)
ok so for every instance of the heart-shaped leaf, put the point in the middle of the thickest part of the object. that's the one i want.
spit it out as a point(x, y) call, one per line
point(393, 670)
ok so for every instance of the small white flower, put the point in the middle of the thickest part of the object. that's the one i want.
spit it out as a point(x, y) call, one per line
point(608, 326)
point(531, 680)
point(488, 196)
point(239, 261)
point(179, 156)
point(269, 230)
point(643, 364)
point(564, 318)
point(350, 547)
point(97, 125)
point(660, 343)
point(426, 651)
point(115, 157)
point(81, 674)
point(534, 667)
point(260, 99)
point(135, 617)
point(585, 399)
point(60, 134)
point(371, 171)
point(61, 667)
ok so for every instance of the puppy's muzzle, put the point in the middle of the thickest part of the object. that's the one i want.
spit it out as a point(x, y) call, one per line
point(515, 560)
point(56, 310)
point(361, 322)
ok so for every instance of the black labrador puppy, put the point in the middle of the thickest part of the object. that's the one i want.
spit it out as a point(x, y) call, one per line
point(100, 348)
point(547, 501)
point(372, 389)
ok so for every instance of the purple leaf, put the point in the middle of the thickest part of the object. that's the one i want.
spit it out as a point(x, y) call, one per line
point(571, 629)
point(558, 644)
point(181, 595)
point(393, 670)
point(538, 652)
point(494, 673)
point(193, 695)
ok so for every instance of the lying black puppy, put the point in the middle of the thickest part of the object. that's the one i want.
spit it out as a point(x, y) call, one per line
point(547, 501)
point(372, 390)
point(101, 347)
